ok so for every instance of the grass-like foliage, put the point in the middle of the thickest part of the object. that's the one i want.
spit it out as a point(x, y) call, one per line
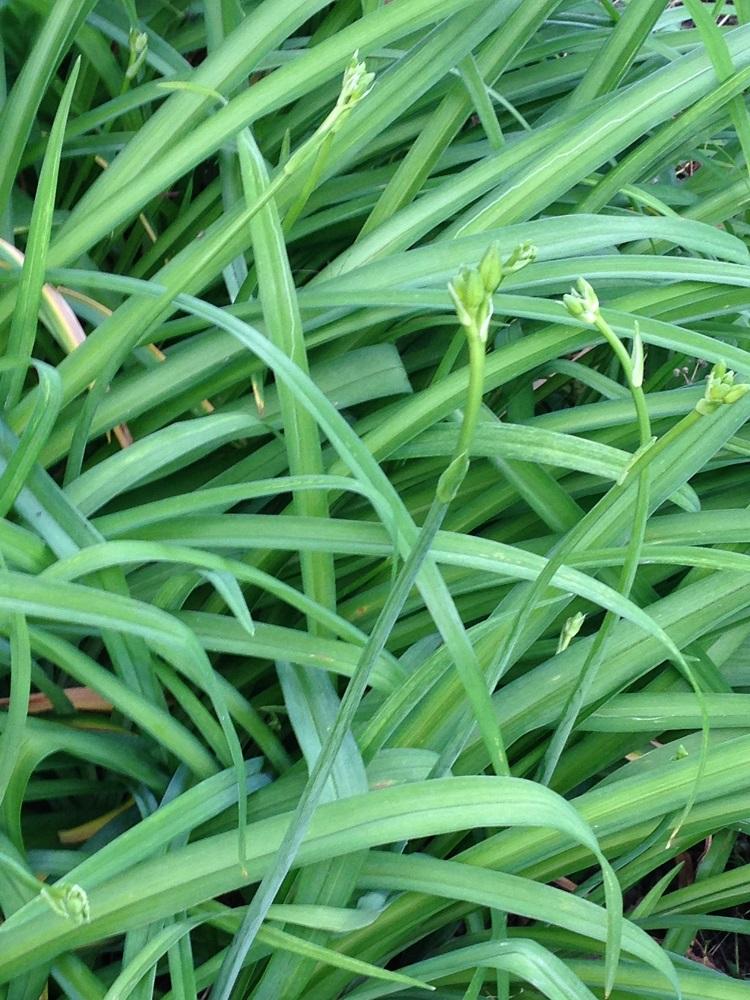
point(374, 520)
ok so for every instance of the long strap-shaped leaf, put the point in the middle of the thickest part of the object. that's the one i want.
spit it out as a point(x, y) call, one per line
point(322, 63)
point(195, 872)
point(453, 880)
point(17, 116)
point(447, 489)
point(284, 327)
point(23, 325)
point(59, 601)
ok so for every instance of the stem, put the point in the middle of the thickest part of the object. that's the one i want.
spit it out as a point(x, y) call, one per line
point(448, 486)
point(578, 696)
point(477, 357)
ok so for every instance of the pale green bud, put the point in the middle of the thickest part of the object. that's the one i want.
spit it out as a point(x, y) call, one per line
point(706, 407)
point(582, 302)
point(450, 481)
point(355, 86)
point(573, 304)
point(138, 41)
point(570, 630)
point(491, 268)
point(471, 291)
point(587, 293)
point(364, 86)
point(736, 393)
point(357, 81)
point(475, 292)
point(456, 290)
point(589, 299)
point(69, 901)
point(525, 253)
point(473, 303)
point(720, 390)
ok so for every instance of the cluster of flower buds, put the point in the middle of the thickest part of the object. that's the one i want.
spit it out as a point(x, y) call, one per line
point(356, 85)
point(473, 301)
point(582, 302)
point(473, 287)
point(69, 901)
point(720, 390)
point(138, 43)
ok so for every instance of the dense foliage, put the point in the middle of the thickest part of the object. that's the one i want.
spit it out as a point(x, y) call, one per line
point(318, 481)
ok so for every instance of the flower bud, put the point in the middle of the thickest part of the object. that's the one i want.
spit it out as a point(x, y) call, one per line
point(451, 480)
point(525, 253)
point(69, 901)
point(356, 85)
point(706, 407)
point(456, 290)
point(357, 81)
point(573, 304)
point(491, 268)
point(736, 393)
point(474, 289)
point(138, 42)
point(587, 292)
point(590, 300)
point(720, 389)
point(471, 291)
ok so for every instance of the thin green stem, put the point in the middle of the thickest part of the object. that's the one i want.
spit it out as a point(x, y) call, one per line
point(310, 797)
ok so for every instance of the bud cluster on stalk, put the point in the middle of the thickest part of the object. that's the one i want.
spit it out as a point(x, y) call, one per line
point(356, 85)
point(69, 901)
point(582, 302)
point(138, 45)
point(473, 287)
point(721, 389)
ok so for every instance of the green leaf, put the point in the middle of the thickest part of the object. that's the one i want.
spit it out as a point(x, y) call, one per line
point(23, 325)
